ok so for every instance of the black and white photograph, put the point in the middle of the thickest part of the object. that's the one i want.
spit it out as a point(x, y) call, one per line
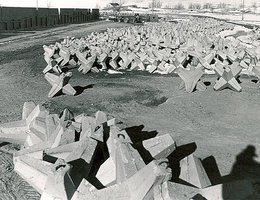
point(129, 100)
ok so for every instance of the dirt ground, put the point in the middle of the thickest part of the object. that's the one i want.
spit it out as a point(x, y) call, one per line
point(222, 124)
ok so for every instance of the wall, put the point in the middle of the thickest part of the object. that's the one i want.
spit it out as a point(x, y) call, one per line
point(14, 18)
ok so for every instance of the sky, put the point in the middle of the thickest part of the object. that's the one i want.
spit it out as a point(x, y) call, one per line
point(187, 2)
point(103, 3)
point(54, 3)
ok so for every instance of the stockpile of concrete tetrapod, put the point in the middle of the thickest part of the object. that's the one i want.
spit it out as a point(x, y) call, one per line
point(73, 157)
point(83, 157)
point(189, 48)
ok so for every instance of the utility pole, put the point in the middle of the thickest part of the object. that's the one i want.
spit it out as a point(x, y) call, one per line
point(36, 17)
point(153, 4)
point(1, 16)
point(243, 10)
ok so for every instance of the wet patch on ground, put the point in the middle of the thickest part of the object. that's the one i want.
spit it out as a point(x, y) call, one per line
point(239, 33)
point(150, 98)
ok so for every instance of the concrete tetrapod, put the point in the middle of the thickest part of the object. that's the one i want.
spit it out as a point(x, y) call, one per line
point(193, 172)
point(60, 84)
point(134, 188)
point(191, 78)
point(228, 75)
point(28, 131)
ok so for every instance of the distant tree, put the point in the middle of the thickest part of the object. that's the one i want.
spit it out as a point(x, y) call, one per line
point(254, 6)
point(168, 6)
point(158, 4)
point(117, 7)
point(193, 6)
point(155, 4)
point(122, 2)
point(198, 6)
point(207, 6)
point(179, 6)
point(222, 5)
point(119, 2)
point(190, 7)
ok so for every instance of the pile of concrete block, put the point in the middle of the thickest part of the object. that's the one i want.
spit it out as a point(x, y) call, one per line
point(82, 157)
point(183, 48)
point(153, 47)
point(58, 79)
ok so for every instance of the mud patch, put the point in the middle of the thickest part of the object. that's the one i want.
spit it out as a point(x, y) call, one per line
point(156, 101)
point(239, 33)
point(54, 106)
point(115, 85)
point(150, 98)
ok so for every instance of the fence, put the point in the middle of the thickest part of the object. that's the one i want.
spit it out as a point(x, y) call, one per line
point(14, 18)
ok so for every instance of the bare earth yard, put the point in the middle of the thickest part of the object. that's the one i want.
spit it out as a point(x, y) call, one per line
point(222, 124)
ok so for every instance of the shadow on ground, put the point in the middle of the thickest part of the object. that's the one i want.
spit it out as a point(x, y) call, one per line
point(243, 183)
point(80, 89)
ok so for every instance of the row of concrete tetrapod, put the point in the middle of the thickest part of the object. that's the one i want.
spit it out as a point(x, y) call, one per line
point(122, 47)
point(83, 157)
point(157, 48)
